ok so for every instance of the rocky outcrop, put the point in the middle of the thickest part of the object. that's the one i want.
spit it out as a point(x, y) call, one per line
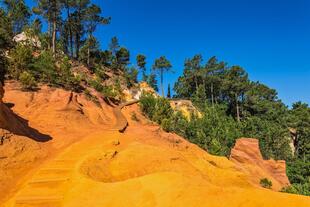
point(23, 38)
point(247, 156)
point(186, 107)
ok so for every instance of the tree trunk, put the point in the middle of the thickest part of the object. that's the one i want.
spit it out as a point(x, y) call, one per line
point(212, 95)
point(162, 82)
point(88, 56)
point(204, 88)
point(49, 35)
point(54, 32)
point(70, 29)
point(237, 108)
point(77, 45)
point(71, 40)
point(196, 84)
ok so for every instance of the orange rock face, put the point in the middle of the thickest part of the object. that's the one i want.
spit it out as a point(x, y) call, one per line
point(89, 163)
point(247, 156)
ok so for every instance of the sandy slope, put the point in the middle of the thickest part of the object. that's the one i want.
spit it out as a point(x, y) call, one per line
point(142, 167)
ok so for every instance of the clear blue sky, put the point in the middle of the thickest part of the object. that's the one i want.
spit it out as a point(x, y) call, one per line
point(269, 38)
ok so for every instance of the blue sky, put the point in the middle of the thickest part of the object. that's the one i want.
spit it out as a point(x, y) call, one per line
point(269, 38)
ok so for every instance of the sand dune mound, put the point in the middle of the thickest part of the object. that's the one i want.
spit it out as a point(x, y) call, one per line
point(246, 154)
point(135, 161)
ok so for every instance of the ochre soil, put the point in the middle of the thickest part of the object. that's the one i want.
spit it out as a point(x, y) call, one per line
point(89, 163)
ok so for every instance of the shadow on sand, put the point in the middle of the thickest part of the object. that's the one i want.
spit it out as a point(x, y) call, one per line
point(18, 125)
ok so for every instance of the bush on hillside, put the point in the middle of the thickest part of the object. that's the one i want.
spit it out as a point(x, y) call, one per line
point(21, 60)
point(27, 80)
point(214, 132)
point(156, 109)
point(65, 76)
point(265, 183)
point(45, 68)
point(296, 188)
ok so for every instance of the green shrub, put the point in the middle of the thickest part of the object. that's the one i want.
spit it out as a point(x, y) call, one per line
point(101, 74)
point(107, 91)
point(147, 105)
point(96, 85)
point(265, 183)
point(21, 60)
point(134, 117)
point(45, 68)
point(156, 109)
point(272, 137)
point(27, 80)
point(295, 188)
point(65, 76)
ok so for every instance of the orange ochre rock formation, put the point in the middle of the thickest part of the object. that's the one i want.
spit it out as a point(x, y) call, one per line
point(87, 162)
point(247, 156)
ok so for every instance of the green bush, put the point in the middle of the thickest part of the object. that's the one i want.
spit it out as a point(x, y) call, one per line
point(45, 68)
point(134, 117)
point(272, 137)
point(21, 60)
point(295, 188)
point(265, 183)
point(28, 81)
point(101, 74)
point(65, 77)
point(107, 91)
point(156, 109)
point(147, 105)
point(214, 131)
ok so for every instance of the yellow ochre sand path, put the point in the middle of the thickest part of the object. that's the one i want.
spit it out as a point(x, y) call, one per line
point(142, 167)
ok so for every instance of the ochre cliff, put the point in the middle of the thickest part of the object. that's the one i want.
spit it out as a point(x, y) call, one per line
point(248, 158)
point(87, 163)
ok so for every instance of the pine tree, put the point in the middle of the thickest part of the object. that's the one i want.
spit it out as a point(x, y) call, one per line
point(194, 65)
point(162, 65)
point(114, 46)
point(236, 82)
point(92, 19)
point(122, 58)
point(51, 11)
point(18, 13)
point(141, 62)
point(5, 42)
point(152, 82)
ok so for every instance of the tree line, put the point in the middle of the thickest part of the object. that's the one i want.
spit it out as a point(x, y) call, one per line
point(70, 32)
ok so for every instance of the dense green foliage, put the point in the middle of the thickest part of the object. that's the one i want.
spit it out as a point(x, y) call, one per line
point(214, 131)
point(232, 106)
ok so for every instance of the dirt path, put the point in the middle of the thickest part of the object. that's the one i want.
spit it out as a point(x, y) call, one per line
point(121, 121)
point(48, 185)
point(53, 179)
